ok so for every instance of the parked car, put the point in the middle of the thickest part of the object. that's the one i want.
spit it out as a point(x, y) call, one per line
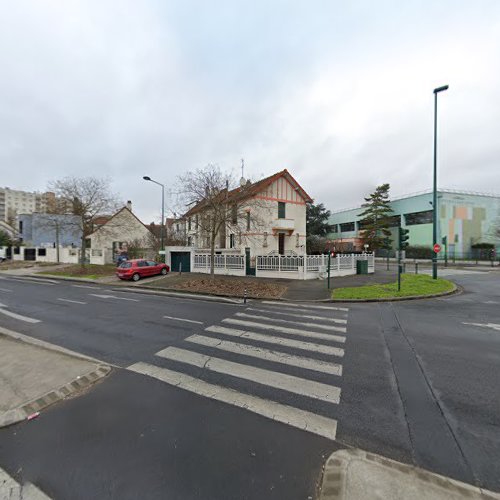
point(135, 269)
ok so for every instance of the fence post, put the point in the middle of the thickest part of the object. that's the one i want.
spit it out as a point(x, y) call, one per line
point(279, 264)
point(353, 262)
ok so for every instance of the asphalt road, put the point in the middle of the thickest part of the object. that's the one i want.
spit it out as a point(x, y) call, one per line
point(188, 412)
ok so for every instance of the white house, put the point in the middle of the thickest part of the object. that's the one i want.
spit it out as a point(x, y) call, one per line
point(119, 232)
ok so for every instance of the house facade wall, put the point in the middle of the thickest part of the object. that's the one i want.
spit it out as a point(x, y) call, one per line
point(262, 237)
point(124, 227)
point(40, 229)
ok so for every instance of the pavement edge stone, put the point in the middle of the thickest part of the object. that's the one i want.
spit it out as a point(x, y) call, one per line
point(81, 382)
point(334, 483)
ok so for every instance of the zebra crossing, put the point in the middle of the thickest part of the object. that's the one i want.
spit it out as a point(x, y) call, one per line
point(278, 360)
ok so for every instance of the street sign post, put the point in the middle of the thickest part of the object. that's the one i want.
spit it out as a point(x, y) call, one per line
point(437, 248)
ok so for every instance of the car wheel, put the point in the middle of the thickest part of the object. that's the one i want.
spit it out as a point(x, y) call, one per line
point(164, 271)
point(136, 277)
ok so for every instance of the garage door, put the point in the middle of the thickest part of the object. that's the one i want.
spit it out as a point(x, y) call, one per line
point(181, 258)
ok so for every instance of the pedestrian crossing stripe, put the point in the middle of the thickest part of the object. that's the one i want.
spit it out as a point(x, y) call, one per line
point(279, 320)
point(295, 417)
point(270, 339)
point(276, 380)
point(307, 316)
point(283, 329)
point(267, 354)
point(303, 306)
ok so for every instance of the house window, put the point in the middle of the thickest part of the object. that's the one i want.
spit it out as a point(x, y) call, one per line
point(248, 221)
point(234, 214)
point(20, 226)
point(189, 241)
point(417, 218)
point(231, 241)
point(177, 227)
point(189, 224)
point(347, 227)
point(196, 221)
point(281, 210)
point(264, 244)
point(297, 240)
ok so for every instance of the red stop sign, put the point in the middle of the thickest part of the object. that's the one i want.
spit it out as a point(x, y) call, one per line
point(437, 248)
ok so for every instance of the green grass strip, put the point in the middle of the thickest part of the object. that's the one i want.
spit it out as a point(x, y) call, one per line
point(411, 284)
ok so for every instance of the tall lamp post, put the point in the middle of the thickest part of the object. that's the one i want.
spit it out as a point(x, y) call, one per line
point(162, 228)
point(434, 190)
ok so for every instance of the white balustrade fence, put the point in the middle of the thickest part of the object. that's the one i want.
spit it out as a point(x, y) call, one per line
point(223, 264)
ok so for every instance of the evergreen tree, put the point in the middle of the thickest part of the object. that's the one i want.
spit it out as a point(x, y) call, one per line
point(375, 219)
point(317, 220)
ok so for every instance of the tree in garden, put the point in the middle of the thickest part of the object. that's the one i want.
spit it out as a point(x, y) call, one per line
point(375, 222)
point(217, 209)
point(317, 227)
point(86, 197)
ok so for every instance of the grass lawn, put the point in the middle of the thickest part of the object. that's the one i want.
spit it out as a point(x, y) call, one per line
point(90, 271)
point(411, 284)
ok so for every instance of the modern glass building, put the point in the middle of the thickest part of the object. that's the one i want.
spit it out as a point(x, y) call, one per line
point(465, 220)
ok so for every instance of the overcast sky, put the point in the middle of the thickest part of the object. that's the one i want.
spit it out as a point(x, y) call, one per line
point(337, 92)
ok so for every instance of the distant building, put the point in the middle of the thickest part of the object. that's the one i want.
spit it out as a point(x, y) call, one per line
point(48, 230)
point(464, 220)
point(14, 202)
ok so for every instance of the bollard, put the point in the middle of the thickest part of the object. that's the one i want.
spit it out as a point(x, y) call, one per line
point(416, 267)
point(245, 296)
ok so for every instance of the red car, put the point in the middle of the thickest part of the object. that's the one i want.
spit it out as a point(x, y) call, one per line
point(136, 269)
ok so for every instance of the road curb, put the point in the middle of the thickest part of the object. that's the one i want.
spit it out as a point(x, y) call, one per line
point(337, 480)
point(81, 382)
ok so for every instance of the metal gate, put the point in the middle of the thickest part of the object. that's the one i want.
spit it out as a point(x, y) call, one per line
point(178, 259)
point(30, 254)
point(250, 271)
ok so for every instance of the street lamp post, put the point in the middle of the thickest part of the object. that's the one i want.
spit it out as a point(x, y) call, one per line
point(434, 190)
point(162, 228)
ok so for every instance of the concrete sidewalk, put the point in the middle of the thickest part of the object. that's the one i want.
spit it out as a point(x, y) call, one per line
point(353, 474)
point(33, 377)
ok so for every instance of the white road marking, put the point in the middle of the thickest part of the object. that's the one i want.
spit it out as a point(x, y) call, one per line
point(5, 290)
point(301, 419)
point(289, 383)
point(269, 339)
point(298, 323)
point(283, 329)
point(495, 326)
point(319, 318)
point(36, 281)
point(17, 316)
point(184, 319)
point(73, 301)
point(267, 354)
point(113, 297)
point(86, 286)
point(304, 306)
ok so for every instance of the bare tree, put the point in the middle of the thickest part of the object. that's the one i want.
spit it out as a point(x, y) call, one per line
point(217, 208)
point(86, 197)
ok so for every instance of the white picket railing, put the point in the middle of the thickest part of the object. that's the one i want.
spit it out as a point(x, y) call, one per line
point(202, 261)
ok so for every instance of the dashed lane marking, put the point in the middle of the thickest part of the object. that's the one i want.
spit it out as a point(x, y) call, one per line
point(5, 290)
point(283, 329)
point(20, 317)
point(267, 354)
point(113, 297)
point(289, 383)
point(72, 301)
point(295, 417)
point(270, 339)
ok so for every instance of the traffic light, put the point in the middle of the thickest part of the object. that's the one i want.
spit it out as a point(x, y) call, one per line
point(404, 236)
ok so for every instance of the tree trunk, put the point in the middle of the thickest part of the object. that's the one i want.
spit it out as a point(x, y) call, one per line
point(212, 258)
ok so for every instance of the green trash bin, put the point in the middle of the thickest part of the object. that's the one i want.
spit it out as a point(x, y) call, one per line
point(361, 267)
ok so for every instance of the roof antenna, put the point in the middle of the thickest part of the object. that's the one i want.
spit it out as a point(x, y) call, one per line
point(242, 180)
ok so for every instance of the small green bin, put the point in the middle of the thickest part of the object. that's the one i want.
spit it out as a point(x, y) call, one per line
point(361, 267)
